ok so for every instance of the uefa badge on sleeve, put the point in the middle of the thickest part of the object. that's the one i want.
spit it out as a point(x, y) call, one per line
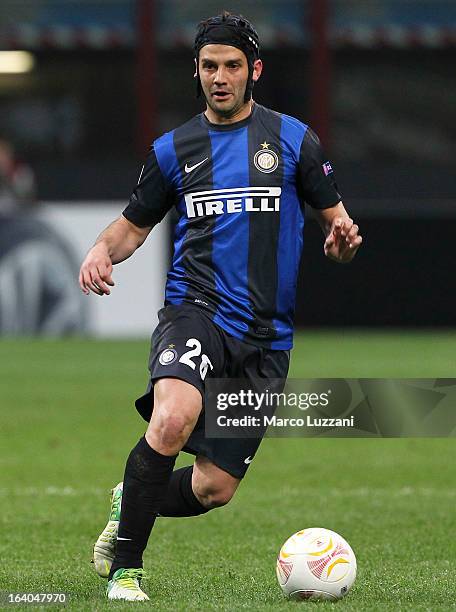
point(167, 356)
point(327, 168)
point(265, 159)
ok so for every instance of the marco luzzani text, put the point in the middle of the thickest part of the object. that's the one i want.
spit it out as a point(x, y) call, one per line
point(257, 402)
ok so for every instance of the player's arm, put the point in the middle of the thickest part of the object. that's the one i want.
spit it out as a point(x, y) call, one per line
point(115, 244)
point(318, 188)
point(342, 234)
point(149, 202)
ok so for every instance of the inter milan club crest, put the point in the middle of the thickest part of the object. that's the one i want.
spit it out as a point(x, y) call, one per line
point(167, 356)
point(265, 159)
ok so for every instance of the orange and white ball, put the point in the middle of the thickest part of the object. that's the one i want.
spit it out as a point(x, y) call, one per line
point(316, 563)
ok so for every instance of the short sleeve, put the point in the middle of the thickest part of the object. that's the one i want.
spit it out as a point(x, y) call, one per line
point(152, 196)
point(316, 182)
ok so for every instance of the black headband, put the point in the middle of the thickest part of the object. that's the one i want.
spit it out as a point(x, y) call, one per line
point(229, 34)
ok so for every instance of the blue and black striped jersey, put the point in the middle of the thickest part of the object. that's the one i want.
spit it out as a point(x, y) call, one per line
point(239, 190)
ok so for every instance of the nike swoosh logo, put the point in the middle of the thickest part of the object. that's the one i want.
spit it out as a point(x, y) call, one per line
point(126, 539)
point(189, 169)
point(248, 460)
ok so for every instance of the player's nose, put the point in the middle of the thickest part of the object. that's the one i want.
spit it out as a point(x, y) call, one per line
point(219, 77)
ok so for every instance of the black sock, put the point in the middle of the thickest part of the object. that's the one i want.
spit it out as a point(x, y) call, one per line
point(180, 499)
point(147, 475)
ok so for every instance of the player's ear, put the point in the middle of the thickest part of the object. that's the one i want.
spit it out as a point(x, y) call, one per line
point(257, 70)
point(196, 68)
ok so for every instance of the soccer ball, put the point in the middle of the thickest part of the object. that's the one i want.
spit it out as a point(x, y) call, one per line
point(316, 563)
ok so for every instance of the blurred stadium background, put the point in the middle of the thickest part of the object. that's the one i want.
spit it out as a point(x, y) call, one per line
point(102, 78)
point(95, 82)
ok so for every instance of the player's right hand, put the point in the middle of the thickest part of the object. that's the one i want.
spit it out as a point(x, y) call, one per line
point(96, 271)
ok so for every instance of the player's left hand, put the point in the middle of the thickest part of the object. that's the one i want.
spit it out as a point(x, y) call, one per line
point(343, 240)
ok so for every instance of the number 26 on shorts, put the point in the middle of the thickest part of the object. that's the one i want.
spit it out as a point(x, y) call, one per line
point(187, 358)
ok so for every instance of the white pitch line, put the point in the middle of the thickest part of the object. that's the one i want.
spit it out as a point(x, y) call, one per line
point(53, 491)
point(407, 491)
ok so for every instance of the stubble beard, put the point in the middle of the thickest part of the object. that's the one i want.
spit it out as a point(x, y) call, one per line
point(226, 113)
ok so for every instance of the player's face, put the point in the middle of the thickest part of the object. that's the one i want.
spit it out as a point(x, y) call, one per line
point(224, 72)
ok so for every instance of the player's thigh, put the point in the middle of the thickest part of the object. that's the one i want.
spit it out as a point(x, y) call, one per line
point(186, 345)
point(211, 481)
point(177, 406)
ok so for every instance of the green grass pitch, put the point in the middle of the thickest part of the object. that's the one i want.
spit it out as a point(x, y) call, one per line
point(67, 424)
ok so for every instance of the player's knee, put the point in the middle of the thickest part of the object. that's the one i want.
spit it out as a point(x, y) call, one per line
point(213, 496)
point(169, 433)
point(173, 430)
point(220, 498)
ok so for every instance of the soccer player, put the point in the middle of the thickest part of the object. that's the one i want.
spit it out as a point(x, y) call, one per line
point(239, 175)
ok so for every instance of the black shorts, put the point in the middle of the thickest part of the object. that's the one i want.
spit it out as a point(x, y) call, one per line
point(186, 344)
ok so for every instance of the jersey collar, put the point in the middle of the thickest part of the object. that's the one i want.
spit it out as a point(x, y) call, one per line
point(227, 127)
